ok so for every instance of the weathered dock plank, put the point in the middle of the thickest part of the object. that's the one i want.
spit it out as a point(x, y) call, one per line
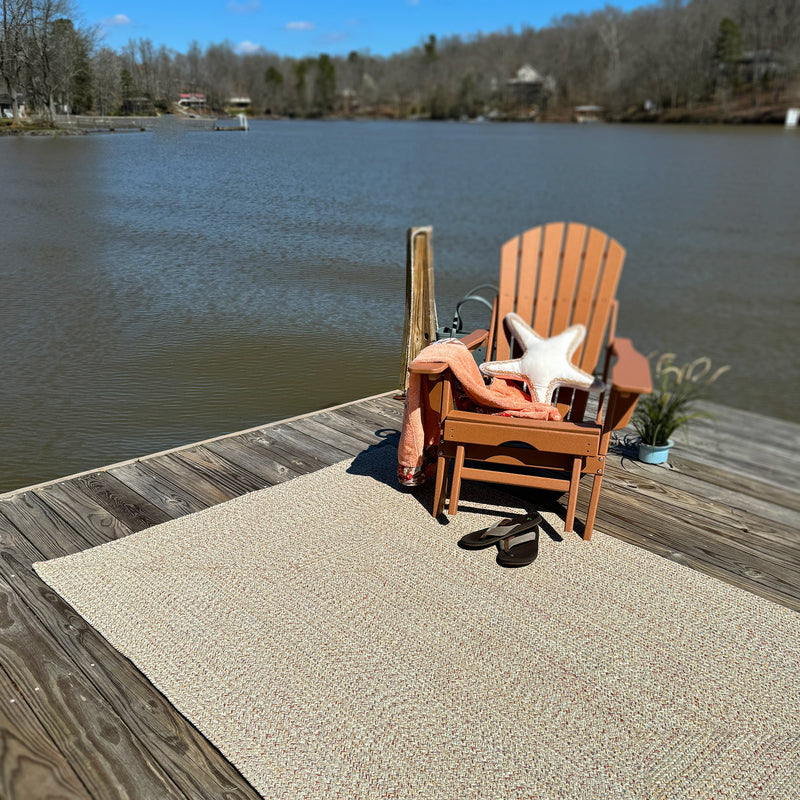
point(234, 478)
point(74, 506)
point(85, 723)
point(375, 418)
point(40, 525)
point(358, 430)
point(321, 432)
point(299, 450)
point(202, 484)
point(255, 459)
point(739, 491)
point(739, 462)
point(280, 451)
point(120, 500)
point(123, 738)
point(160, 491)
point(31, 765)
point(732, 513)
point(65, 699)
point(749, 426)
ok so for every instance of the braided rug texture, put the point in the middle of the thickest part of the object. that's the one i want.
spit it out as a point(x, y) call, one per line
point(333, 641)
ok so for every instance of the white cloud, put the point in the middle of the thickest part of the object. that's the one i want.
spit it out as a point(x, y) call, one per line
point(247, 48)
point(300, 26)
point(117, 21)
point(244, 8)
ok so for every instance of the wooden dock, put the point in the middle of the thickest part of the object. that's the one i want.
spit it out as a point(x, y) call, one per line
point(78, 720)
point(176, 122)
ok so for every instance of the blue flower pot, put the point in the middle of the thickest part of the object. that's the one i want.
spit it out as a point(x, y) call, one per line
point(651, 454)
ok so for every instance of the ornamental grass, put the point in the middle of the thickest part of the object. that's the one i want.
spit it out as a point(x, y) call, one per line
point(672, 403)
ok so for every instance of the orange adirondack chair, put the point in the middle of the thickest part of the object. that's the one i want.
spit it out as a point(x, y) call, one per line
point(553, 276)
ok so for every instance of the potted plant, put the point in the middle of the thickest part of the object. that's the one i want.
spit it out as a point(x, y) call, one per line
point(671, 404)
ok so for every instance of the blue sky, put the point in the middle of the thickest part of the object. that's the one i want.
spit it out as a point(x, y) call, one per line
point(310, 27)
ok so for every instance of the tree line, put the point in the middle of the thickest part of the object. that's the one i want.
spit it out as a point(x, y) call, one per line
point(671, 58)
point(44, 58)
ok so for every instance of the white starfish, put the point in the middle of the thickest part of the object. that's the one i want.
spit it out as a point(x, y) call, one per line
point(546, 363)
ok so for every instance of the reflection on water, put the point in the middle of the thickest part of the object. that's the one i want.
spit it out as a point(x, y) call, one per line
point(161, 289)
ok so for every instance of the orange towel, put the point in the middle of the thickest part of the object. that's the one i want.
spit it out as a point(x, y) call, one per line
point(421, 423)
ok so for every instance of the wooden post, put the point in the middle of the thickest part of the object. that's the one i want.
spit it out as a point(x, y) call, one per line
point(420, 324)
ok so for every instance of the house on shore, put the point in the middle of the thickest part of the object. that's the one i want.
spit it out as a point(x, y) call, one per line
point(527, 86)
point(239, 103)
point(527, 93)
point(192, 100)
point(588, 113)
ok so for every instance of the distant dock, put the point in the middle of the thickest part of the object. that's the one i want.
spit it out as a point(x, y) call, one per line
point(238, 123)
point(167, 122)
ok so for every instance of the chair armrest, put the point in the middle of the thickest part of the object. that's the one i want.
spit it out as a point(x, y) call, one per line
point(471, 341)
point(430, 368)
point(631, 372)
point(630, 377)
point(475, 339)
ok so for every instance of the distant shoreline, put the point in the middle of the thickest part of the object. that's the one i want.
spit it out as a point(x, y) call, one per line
point(7, 130)
point(708, 115)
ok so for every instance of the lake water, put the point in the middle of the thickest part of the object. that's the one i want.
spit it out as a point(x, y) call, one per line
point(160, 289)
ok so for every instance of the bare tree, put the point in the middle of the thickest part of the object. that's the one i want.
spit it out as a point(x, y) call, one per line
point(106, 70)
point(273, 78)
point(610, 28)
point(16, 15)
point(52, 49)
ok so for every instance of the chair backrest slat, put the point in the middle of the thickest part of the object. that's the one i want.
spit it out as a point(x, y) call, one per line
point(557, 275)
point(568, 280)
point(592, 262)
point(498, 348)
point(529, 268)
point(548, 277)
point(604, 297)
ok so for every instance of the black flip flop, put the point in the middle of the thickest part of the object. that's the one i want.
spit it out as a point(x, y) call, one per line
point(500, 530)
point(522, 553)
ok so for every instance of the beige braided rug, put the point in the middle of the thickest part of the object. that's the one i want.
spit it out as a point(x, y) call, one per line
point(334, 642)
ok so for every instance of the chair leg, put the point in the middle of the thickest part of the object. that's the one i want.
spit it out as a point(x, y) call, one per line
point(440, 493)
point(455, 487)
point(594, 500)
point(572, 499)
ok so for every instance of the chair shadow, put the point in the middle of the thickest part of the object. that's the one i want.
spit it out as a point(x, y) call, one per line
point(379, 461)
point(529, 501)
